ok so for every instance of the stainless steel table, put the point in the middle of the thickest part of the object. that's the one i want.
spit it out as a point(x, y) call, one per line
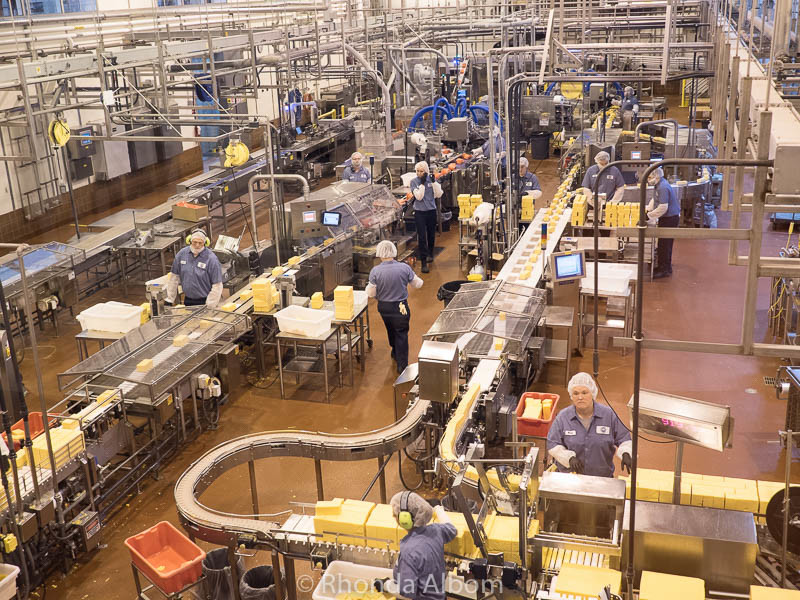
point(101, 337)
point(310, 363)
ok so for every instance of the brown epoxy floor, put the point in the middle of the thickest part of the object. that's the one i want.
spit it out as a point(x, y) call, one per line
point(702, 301)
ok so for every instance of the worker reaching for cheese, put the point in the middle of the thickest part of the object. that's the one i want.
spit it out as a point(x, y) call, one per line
point(199, 272)
point(420, 570)
point(583, 437)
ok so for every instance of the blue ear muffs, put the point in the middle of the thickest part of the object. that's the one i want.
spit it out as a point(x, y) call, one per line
point(189, 237)
point(404, 518)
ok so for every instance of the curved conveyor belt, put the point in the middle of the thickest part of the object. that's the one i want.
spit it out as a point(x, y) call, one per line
point(219, 528)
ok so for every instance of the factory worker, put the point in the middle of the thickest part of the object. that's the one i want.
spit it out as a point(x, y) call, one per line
point(198, 270)
point(420, 570)
point(388, 283)
point(499, 147)
point(666, 209)
point(356, 171)
point(612, 184)
point(584, 436)
point(425, 191)
point(527, 180)
point(630, 101)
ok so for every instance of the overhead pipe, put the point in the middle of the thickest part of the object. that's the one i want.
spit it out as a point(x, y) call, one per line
point(387, 96)
point(272, 177)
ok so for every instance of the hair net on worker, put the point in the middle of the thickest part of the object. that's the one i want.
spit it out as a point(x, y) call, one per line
point(356, 155)
point(583, 380)
point(424, 166)
point(523, 162)
point(417, 506)
point(602, 157)
point(628, 91)
point(655, 176)
point(386, 249)
point(199, 235)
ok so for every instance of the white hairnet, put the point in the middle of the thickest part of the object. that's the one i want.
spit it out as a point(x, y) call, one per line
point(523, 162)
point(422, 164)
point(628, 91)
point(386, 249)
point(583, 380)
point(656, 175)
point(199, 234)
point(417, 506)
point(602, 157)
point(356, 155)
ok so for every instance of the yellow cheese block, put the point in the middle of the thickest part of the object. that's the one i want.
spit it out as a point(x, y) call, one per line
point(328, 242)
point(328, 507)
point(278, 271)
point(293, 261)
point(229, 307)
point(744, 498)
point(145, 365)
point(382, 525)
point(348, 526)
point(659, 586)
point(758, 592)
point(69, 424)
point(106, 396)
point(246, 295)
point(739, 483)
point(586, 582)
point(533, 410)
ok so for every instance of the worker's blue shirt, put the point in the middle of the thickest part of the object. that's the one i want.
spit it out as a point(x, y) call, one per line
point(360, 176)
point(420, 571)
point(428, 201)
point(594, 446)
point(391, 279)
point(528, 183)
point(197, 273)
point(665, 193)
point(499, 146)
point(629, 103)
point(609, 183)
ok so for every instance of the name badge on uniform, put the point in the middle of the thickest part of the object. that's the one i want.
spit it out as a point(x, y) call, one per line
point(183, 262)
point(201, 265)
point(570, 432)
point(603, 430)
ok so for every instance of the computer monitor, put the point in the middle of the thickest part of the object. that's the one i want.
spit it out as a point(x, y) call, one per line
point(309, 216)
point(331, 218)
point(636, 155)
point(566, 266)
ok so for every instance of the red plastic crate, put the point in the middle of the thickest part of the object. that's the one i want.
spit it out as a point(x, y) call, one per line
point(167, 557)
point(538, 427)
point(36, 425)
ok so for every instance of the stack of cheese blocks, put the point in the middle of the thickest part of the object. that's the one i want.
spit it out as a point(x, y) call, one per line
point(527, 208)
point(263, 295)
point(343, 303)
point(621, 214)
point(351, 521)
point(464, 206)
point(316, 300)
point(67, 444)
point(579, 210)
point(475, 200)
point(536, 408)
point(711, 491)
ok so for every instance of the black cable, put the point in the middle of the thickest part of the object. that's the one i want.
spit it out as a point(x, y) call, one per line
point(402, 479)
point(599, 387)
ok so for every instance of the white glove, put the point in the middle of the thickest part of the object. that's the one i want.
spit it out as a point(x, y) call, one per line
point(419, 192)
point(502, 155)
point(477, 153)
point(214, 295)
point(561, 455)
point(415, 283)
point(635, 109)
point(372, 290)
point(172, 288)
point(483, 213)
point(437, 189)
point(441, 515)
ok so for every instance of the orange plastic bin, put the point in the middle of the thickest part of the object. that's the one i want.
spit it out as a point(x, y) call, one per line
point(36, 425)
point(538, 427)
point(167, 557)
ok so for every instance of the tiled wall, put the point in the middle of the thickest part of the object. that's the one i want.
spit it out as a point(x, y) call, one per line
point(101, 195)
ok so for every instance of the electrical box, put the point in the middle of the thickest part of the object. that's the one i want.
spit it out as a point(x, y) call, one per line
point(88, 523)
point(307, 219)
point(457, 129)
point(79, 144)
point(81, 168)
point(438, 371)
point(112, 158)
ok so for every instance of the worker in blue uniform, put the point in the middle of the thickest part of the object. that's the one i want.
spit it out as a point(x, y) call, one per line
point(198, 270)
point(612, 184)
point(425, 192)
point(388, 283)
point(420, 570)
point(499, 143)
point(665, 209)
point(629, 101)
point(584, 437)
point(527, 180)
point(356, 171)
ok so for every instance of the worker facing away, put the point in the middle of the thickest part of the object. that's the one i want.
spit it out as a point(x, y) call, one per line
point(499, 143)
point(665, 209)
point(420, 570)
point(356, 171)
point(611, 183)
point(388, 284)
point(198, 270)
point(583, 437)
point(425, 192)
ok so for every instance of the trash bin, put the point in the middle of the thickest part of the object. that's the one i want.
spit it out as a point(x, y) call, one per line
point(258, 584)
point(449, 289)
point(218, 573)
point(540, 145)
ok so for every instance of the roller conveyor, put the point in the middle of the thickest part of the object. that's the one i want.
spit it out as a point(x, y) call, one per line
point(224, 529)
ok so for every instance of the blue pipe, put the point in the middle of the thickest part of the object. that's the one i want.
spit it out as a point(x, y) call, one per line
point(421, 113)
point(461, 107)
point(448, 109)
point(485, 109)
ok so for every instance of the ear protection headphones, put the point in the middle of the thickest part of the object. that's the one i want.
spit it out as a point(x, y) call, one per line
point(404, 518)
point(189, 237)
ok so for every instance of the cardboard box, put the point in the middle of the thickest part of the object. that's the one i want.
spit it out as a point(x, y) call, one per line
point(187, 211)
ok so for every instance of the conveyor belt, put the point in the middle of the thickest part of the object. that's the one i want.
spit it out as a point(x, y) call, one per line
point(220, 528)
